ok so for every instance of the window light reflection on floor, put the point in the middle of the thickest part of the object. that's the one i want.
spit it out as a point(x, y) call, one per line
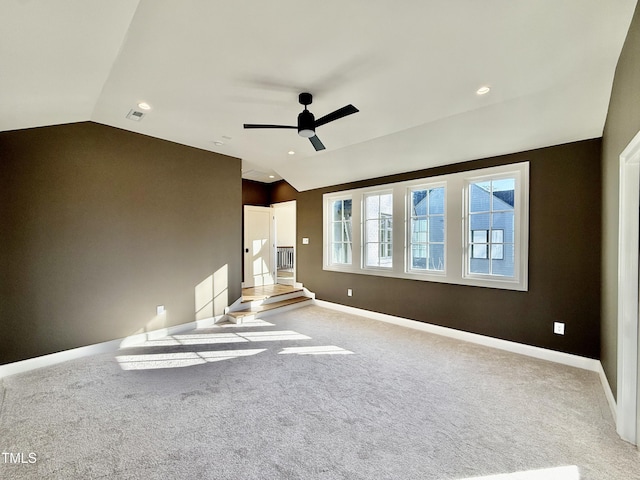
point(219, 338)
point(181, 359)
point(570, 472)
point(150, 361)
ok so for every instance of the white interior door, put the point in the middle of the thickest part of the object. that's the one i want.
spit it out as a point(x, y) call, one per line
point(259, 246)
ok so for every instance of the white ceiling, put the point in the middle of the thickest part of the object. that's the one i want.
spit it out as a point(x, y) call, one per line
point(412, 68)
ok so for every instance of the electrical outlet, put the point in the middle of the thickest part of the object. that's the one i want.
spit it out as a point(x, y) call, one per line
point(349, 292)
point(558, 328)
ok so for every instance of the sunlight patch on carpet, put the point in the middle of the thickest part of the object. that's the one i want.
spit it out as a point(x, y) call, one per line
point(181, 359)
point(570, 472)
point(319, 350)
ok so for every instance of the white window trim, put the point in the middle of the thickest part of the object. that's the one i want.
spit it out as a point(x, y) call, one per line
point(456, 229)
point(328, 219)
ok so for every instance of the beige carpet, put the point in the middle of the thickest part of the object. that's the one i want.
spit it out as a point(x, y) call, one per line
point(313, 394)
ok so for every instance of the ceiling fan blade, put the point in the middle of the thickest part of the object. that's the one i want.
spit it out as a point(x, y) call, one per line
point(317, 144)
point(341, 112)
point(253, 125)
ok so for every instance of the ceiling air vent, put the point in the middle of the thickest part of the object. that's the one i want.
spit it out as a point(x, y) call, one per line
point(135, 115)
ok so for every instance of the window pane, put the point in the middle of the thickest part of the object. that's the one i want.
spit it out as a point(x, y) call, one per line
point(419, 257)
point(372, 206)
point(386, 204)
point(347, 209)
point(497, 236)
point(348, 234)
point(337, 231)
point(479, 236)
point(418, 202)
point(479, 265)
point(503, 194)
point(436, 256)
point(479, 250)
point(480, 197)
point(337, 253)
point(436, 201)
point(504, 266)
point(372, 257)
point(337, 210)
point(436, 229)
point(497, 251)
point(504, 221)
point(372, 231)
point(480, 221)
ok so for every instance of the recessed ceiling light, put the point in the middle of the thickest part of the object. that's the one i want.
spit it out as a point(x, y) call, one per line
point(218, 143)
point(272, 176)
point(483, 90)
point(144, 106)
point(291, 152)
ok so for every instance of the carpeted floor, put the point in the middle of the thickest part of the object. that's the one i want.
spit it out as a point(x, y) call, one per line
point(312, 394)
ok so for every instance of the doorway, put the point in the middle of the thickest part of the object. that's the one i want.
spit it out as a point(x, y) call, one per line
point(285, 218)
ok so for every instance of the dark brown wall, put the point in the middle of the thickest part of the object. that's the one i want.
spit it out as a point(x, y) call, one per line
point(564, 269)
point(265, 194)
point(99, 225)
point(282, 191)
point(256, 193)
point(623, 123)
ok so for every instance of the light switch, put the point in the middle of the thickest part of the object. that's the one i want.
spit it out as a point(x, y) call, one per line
point(305, 241)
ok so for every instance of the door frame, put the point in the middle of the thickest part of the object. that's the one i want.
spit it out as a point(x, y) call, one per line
point(628, 244)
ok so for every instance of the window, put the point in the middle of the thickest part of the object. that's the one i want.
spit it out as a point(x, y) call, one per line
point(491, 222)
point(427, 229)
point(466, 228)
point(341, 228)
point(378, 230)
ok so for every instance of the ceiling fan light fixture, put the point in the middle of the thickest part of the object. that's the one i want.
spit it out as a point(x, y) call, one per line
point(306, 133)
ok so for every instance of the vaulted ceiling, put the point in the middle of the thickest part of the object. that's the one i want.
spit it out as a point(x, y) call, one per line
point(412, 69)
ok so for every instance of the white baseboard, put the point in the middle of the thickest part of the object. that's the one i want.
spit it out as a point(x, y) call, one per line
point(608, 393)
point(514, 347)
point(98, 348)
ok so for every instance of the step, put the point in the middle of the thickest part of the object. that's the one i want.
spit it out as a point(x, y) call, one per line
point(237, 315)
point(254, 298)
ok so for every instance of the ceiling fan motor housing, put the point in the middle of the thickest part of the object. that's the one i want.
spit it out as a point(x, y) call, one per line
point(306, 124)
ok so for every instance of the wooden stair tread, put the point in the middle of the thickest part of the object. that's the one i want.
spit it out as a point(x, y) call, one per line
point(253, 298)
point(268, 306)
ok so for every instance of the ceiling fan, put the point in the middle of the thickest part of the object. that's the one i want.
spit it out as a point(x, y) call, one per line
point(307, 123)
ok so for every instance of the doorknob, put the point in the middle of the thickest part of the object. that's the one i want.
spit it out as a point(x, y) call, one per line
point(246, 250)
